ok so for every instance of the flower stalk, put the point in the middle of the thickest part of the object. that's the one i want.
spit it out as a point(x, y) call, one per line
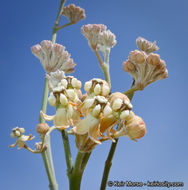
point(47, 155)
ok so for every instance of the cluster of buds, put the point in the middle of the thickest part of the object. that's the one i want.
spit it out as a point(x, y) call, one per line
point(65, 95)
point(21, 139)
point(74, 13)
point(99, 37)
point(144, 66)
point(53, 57)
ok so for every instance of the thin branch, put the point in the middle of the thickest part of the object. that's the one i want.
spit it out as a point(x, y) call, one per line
point(63, 26)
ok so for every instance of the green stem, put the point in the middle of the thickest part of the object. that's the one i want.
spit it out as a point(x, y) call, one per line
point(109, 159)
point(47, 155)
point(63, 26)
point(108, 165)
point(77, 172)
point(54, 31)
point(67, 151)
point(104, 66)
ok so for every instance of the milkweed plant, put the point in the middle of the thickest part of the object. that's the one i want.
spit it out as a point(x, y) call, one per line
point(93, 116)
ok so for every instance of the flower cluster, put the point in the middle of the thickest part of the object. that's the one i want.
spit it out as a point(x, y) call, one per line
point(144, 66)
point(65, 95)
point(74, 13)
point(53, 57)
point(99, 37)
point(92, 116)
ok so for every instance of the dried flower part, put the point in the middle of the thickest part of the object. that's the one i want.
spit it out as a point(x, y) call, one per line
point(74, 13)
point(133, 127)
point(53, 57)
point(21, 139)
point(91, 33)
point(42, 128)
point(145, 45)
point(96, 87)
point(145, 68)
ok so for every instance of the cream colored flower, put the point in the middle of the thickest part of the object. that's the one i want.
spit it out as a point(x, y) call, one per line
point(64, 95)
point(145, 68)
point(90, 124)
point(118, 109)
point(133, 126)
point(74, 13)
point(21, 139)
point(53, 57)
point(96, 87)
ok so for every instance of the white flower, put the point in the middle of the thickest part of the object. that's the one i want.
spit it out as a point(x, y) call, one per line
point(21, 139)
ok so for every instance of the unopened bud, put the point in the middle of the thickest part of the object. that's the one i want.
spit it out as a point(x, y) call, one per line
point(97, 89)
point(88, 86)
point(42, 128)
point(52, 99)
point(63, 100)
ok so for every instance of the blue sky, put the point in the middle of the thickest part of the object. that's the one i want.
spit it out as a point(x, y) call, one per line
point(162, 154)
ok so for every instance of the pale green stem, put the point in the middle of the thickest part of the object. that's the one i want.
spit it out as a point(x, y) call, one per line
point(47, 155)
point(54, 32)
point(109, 159)
point(77, 172)
point(63, 26)
point(67, 151)
point(104, 66)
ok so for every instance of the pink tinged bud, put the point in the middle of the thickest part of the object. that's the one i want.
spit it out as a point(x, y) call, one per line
point(137, 57)
point(153, 59)
point(53, 57)
point(42, 128)
point(74, 13)
point(107, 39)
point(135, 127)
point(128, 66)
point(91, 33)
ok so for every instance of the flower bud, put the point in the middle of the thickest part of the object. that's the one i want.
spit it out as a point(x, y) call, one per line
point(117, 104)
point(96, 110)
point(42, 128)
point(63, 100)
point(52, 99)
point(88, 86)
point(135, 127)
point(97, 89)
point(64, 82)
point(137, 57)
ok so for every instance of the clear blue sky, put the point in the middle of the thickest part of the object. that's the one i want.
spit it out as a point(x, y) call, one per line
point(162, 154)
